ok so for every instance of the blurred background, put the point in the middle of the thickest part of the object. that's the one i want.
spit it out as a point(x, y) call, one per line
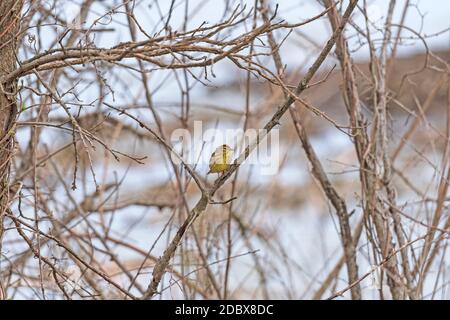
point(118, 207)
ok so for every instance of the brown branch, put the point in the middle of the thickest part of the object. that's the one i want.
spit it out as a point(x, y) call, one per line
point(338, 203)
point(163, 262)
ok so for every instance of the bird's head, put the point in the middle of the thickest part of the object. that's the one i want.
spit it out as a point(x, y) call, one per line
point(227, 147)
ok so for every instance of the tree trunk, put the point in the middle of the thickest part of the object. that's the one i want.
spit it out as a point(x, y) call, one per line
point(10, 14)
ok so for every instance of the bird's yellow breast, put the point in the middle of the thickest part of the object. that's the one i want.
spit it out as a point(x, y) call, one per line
point(218, 167)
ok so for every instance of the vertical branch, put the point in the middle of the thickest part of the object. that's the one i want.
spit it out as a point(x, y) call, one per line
point(349, 246)
point(432, 246)
point(366, 153)
point(10, 13)
point(235, 179)
point(381, 113)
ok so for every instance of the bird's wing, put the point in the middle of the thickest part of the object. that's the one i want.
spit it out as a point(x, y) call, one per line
point(217, 157)
point(212, 160)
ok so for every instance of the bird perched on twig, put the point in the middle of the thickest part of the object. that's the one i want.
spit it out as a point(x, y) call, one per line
point(220, 159)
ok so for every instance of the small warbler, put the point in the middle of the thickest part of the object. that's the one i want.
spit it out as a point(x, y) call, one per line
point(220, 159)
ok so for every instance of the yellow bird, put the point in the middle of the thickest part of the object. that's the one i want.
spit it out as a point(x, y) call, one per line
point(220, 159)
